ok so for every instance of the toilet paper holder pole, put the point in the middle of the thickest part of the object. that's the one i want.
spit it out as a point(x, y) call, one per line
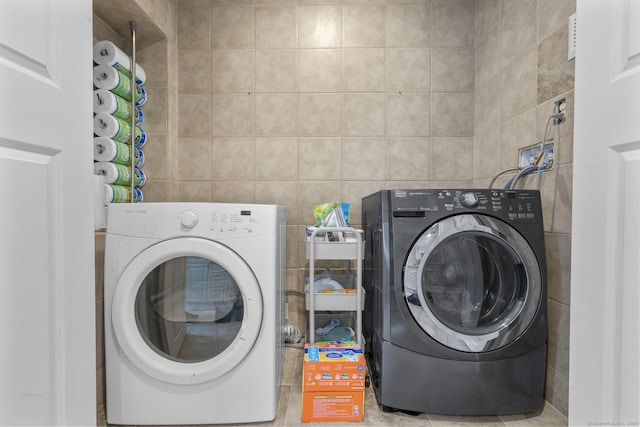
point(134, 26)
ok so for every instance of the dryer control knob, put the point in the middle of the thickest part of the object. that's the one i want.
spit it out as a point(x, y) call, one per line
point(469, 200)
point(188, 219)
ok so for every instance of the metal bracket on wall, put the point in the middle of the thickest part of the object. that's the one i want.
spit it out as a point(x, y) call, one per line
point(529, 155)
point(560, 110)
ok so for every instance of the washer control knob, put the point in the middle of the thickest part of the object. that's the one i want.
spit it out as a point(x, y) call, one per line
point(469, 199)
point(188, 219)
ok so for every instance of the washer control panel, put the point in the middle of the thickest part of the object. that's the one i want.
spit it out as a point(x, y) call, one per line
point(509, 204)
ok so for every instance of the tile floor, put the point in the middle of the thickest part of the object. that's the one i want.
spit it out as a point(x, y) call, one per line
point(290, 408)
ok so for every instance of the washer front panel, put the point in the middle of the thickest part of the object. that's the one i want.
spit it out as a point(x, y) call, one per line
point(162, 301)
point(472, 283)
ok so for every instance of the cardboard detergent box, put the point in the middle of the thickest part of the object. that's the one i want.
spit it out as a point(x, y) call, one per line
point(333, 382)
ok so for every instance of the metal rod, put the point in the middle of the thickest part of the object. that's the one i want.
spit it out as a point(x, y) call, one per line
point(133, 25)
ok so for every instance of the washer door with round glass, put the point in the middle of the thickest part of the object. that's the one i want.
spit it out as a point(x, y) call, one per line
point(187, 310)
point(472, 283)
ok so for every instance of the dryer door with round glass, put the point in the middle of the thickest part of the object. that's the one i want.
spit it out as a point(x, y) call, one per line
point(187, 311)
point(472, 282)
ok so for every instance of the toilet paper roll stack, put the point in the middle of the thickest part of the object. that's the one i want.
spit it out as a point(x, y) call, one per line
point(109, 78)
point(116, 140)
point(107, 53)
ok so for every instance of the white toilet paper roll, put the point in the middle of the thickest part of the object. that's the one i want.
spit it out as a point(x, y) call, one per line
point(106, 125)
point(117, 129)
point(107, 77)
point(108, 150)
point(121, 194)
point(116, 194)
point(105, 101)
point(107, 53)
point(115, 174)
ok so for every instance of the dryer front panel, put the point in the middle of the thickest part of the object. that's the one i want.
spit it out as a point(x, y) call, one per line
point(472, 283)
point(187, 310)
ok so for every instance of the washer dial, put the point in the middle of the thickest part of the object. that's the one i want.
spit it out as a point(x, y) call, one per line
point(469, 199)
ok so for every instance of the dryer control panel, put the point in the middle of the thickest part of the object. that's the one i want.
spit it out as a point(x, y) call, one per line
point(508, 204)
point(208, 220)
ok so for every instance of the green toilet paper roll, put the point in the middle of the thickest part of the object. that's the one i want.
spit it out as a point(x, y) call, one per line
point(108, 150)
point(105, 101)
point(109, 78)
point(115, 173)
point(117, 129)
point(121, 194)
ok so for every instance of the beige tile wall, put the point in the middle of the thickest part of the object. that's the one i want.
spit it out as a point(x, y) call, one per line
point(521, 69)
point(300, 102)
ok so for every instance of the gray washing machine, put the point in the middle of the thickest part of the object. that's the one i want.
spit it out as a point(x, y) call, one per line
point(455, 318)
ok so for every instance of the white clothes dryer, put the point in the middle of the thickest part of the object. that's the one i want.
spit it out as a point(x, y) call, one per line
point(194, 309)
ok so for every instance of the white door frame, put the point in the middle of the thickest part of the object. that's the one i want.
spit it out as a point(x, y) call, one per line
point(47, 255)
point(605, 275)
